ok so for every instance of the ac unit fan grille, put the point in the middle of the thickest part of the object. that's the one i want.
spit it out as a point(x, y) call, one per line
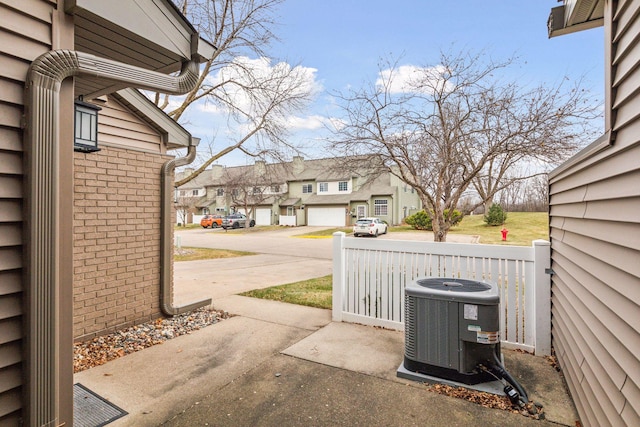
point(455, 285)
point(410, 327)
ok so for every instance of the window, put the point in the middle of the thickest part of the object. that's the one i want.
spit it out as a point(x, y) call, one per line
point(307, 188)
point(275, 188)
point(343, 186)
point(195, 192)
point(380, 207)
point(256, 190)
point(323, 187)
point(235, 192)
point(220, 192)
point(290, 211)
point(183, 193)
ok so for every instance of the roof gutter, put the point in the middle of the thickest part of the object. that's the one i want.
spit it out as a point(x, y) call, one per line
point(166, 241)
point(44, 240)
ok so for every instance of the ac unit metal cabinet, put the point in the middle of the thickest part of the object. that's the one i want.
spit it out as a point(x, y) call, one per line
point(451, 326)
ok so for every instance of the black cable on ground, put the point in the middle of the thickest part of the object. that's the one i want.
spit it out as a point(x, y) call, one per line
point(502, 372)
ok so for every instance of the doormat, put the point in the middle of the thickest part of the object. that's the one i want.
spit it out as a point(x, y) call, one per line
point(91, 410)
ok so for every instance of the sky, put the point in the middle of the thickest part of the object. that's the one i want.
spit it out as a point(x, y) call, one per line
point(340, 44)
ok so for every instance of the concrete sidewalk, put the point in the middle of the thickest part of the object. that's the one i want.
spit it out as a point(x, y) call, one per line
point(277, 364)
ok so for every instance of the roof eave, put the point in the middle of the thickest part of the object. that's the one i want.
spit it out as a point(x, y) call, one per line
point(150, 34)
point(176, 136)
point(578, 15)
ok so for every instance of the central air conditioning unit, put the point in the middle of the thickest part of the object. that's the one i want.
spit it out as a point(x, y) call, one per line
point(451, 327)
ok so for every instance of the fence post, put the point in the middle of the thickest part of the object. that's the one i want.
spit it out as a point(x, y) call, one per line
point(542, 297)
point(338, 276)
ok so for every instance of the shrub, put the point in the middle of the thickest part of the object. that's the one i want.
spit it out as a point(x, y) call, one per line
point(496, 215)
point(421, 221)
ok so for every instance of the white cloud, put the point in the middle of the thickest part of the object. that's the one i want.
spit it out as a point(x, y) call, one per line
point(412, 79)
point(244, 71)
point(307, 123)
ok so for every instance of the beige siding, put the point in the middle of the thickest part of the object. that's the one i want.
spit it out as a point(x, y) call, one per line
point(595, 235)
point(116, 239)
point(25, 33)
point(120, 128)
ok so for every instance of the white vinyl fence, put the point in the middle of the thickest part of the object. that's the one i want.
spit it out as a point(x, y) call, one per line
point(287, 220)
point(370, 275)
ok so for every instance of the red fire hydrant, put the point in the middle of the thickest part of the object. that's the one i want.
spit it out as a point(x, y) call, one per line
point(504, 232)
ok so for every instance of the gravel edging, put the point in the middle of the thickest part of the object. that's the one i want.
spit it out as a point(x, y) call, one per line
point(102, 349)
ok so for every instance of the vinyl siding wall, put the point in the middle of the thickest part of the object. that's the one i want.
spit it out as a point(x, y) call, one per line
point(118, 127)
point(595, 240)
point(25, 33)
point(117, 226)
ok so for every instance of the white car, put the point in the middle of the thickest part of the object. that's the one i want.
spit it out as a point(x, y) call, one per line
point(369, 227)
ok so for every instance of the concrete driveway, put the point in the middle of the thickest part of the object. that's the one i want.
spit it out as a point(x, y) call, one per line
point(280, 258)
point(289, 241)
point(283, 256)
point(281, 241)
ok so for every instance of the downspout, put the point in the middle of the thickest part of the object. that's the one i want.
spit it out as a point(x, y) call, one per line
point(166, 242)
point(42, 234)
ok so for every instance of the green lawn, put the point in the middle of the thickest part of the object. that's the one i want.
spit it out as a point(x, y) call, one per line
point(313, 292)
point(524, 227)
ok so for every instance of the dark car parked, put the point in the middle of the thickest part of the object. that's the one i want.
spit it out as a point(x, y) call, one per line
point(236, 221)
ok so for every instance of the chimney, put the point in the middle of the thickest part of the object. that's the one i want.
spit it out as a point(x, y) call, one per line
point(216, 171)
point(260, 168)
point(298, 164)
point(185, 172)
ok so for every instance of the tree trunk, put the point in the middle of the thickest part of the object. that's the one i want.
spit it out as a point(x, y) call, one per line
point(487, 204)
point(440, 236)
point(440, 230)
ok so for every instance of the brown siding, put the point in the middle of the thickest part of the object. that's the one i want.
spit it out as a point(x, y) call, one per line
point(116, 239)
point(119, 127)
point(595, 237)
point(25, 33)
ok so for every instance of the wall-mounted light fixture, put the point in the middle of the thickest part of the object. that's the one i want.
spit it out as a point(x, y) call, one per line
point(86, 126)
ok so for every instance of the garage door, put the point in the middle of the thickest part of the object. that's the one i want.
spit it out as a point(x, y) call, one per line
point(334, 217)
point(263, 216)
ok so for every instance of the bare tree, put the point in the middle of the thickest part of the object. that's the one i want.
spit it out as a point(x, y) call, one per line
point(240, 81)
point(510, 196)
point(185, 205)
point(526, 195)
point(461, 123)
point(537, 193)
point(250, 186)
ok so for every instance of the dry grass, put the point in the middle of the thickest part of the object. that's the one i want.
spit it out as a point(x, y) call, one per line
point(195, 254)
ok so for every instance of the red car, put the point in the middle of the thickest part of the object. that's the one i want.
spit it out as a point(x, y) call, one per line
point(211, 221)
